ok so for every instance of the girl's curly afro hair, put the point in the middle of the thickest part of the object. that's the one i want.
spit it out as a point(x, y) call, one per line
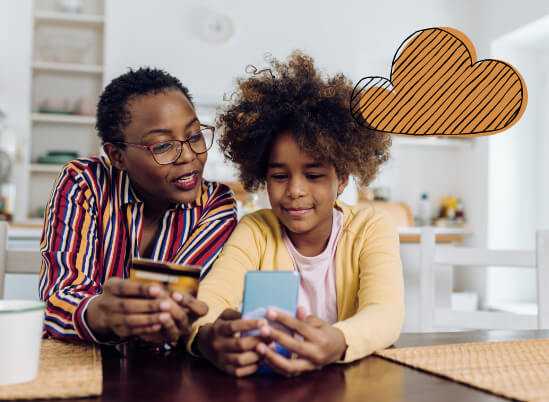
point(295, 97)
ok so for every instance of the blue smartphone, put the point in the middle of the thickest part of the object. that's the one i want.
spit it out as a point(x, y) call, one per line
point(270, 289)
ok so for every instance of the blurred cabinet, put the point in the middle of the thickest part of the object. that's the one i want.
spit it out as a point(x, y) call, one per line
point(67, 71)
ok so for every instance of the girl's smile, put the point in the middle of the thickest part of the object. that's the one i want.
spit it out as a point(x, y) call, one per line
point(296, 212)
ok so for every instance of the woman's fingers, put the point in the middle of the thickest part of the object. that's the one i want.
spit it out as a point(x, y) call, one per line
point(136, 306)
point(127, 288)
point(180, 317)
point(170, 328)
point(196, 307)
point(151, 329)
point(135, 320)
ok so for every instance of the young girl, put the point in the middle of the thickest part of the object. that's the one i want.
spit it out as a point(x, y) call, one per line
point(291, 129)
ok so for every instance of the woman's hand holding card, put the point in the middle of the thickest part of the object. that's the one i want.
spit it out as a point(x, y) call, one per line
point(129, 308)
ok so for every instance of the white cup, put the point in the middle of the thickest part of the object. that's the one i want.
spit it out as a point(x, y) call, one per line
point(21, 324)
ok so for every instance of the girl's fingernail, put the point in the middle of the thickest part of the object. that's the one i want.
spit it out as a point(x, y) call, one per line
point(154, 290)
point(262, 322)
point(261, 348)
point(177, 296)
point(265, 331)
point(164, 305)
point(271, 314)
point(164, 317)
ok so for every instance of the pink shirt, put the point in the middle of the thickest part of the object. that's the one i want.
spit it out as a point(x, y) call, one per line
point(317, 288)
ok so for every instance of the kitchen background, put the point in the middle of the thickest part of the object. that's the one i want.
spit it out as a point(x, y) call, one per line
point(56, 55)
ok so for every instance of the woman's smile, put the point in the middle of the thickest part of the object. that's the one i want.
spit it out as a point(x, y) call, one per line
point(187, 181)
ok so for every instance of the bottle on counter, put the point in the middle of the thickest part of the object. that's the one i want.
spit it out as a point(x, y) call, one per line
point(460, 213)
point(424, 213)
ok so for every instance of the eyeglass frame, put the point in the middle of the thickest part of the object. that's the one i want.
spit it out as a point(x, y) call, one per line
point(181, 142)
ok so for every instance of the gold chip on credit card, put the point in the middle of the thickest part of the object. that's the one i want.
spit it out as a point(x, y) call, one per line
point(174, 277)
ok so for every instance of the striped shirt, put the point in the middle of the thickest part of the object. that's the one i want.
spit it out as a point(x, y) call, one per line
point(93, 227)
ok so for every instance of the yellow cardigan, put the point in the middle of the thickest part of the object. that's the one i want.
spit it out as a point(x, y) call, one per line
point(369, 283)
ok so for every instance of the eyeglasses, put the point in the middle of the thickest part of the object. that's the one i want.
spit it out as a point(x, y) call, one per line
point(167, 152)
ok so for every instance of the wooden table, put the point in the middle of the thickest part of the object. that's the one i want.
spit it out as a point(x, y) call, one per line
point(148, 376)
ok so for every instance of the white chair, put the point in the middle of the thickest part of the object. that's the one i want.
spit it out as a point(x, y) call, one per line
point(433, 256)
point(16, 261)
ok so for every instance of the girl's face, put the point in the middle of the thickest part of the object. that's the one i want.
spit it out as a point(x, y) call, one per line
point(302, 190)
point(155, 118)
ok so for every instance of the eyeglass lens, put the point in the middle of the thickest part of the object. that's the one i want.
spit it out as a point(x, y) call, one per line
point(169, 151)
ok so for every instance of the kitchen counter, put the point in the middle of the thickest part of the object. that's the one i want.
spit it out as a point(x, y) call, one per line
point(28, 237)
point(442, 235)
point(32, 233)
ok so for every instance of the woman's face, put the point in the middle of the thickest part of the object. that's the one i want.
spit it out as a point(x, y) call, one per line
point(302, 190)
point(165, 116)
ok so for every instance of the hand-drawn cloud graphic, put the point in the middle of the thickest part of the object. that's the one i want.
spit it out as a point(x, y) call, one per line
point(438, 88)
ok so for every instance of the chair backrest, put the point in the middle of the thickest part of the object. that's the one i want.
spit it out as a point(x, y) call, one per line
point(16, 261)
point(432, 256)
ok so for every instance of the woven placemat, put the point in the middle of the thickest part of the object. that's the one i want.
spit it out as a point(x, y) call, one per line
point(67, 370)
point(513, 369)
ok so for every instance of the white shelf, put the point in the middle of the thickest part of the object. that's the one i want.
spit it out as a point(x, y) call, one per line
point(416, 230)
point(433, 141)
point(66, 18)
point(56, 70)
point(62, 118)
point(66, 67)
point(45, 168)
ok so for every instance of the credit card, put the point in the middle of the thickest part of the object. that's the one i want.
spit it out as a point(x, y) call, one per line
point(173, 277)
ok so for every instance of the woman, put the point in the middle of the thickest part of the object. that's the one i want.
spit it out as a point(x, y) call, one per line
point(145, 198)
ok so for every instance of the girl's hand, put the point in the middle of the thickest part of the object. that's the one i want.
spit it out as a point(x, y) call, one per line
point(322, 343)
point(217, 343)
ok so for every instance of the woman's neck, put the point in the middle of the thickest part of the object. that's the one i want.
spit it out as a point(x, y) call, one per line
point(153, 215)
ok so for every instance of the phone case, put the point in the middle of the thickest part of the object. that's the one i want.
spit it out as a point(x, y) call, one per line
point(270, 289)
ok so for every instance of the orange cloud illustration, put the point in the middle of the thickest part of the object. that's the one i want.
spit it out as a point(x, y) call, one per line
point(438, 88)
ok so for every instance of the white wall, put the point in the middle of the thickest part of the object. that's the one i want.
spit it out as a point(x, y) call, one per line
point(345, 37)
point(505, 190)
point(358, 38)
point(518, 167)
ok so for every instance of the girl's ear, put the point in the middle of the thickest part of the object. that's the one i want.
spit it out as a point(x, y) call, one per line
point(116, 155)
point(342, 184)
